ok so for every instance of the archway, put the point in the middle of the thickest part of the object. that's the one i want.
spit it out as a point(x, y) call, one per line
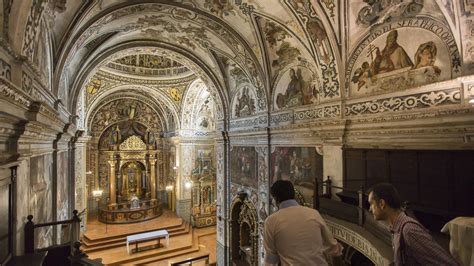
point(244, 231)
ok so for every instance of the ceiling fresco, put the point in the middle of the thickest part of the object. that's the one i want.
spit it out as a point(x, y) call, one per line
point(251, 56)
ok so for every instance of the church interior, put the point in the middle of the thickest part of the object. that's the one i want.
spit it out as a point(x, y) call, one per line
point(149, 132)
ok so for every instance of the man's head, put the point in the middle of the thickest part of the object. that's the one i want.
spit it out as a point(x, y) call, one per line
point(282, 190)
point(383, 198)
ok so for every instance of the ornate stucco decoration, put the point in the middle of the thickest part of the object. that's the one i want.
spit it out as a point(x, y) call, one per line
point(133, 143)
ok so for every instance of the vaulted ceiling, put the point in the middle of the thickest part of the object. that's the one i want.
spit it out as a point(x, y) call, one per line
point(158, 48)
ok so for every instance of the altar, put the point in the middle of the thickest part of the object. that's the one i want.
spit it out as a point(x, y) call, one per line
point(132, 182)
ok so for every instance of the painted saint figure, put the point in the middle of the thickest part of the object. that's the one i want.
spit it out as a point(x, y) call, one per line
point(392, 57)
point(425, 56)
point(294, 91)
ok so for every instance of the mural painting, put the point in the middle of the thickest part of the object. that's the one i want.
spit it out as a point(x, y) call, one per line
point(244, 166)
point(281, 46)
point(295, 88)
point(40, 197)
point(62, 202)
point(378, 11)
point(394, 61)
point(300, 165)
point(244, 103)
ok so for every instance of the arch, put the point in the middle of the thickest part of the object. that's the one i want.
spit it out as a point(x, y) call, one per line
point(195, 64)
point(142, 93)
point(244, 220)
point(193, 104)
point(140, 103)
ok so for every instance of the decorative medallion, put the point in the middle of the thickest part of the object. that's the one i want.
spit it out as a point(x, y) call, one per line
point(94, 86)
point(175, 94)
point(133, 143)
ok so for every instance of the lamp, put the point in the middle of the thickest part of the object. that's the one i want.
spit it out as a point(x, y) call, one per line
point(169, 188)
point(97, 194)
point(188, 184)
point(471, 101)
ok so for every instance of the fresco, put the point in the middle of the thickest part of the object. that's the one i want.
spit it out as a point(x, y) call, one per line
point(395, 61)
point(295, 88)
point(244, 102)
point(244, 166)
point(281, 45)
point(63, 196)
point(40, 197)
point(300, 165)
point(378, 11)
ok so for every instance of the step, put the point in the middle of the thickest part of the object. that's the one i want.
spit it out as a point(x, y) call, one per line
point(159, 260)
point(121, 241)
point(188, 256)
point(136, 232)
point(158, 254)
point(105, 240)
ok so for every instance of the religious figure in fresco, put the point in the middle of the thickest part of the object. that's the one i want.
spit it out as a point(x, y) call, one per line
point(425, 56)
point(245, 104)
point(392, 57)
point(362, 75)
point(394, 69)
point(243, 165)
point(319, 37)
point(116, 136)
point(294, 91)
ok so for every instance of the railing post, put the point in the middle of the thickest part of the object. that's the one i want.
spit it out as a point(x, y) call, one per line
point(29, 235)
point(316, 193)
point(75, 229)
point(329, 187)
point(361, 206)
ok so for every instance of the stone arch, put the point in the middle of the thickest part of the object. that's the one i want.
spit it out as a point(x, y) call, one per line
point(112, 115)
point(244, 230)
point(193, 103)
point(195, 64)
point(19, 14)
point(159, 97)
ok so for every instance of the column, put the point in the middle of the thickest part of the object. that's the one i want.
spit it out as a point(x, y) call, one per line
point(153, 180)
point(112, 192)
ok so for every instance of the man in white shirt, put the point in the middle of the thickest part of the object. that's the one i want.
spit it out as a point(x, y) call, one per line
point(296, 235)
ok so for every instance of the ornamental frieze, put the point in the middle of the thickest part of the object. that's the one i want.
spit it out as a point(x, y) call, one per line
point(252, 122)
point(406, 102)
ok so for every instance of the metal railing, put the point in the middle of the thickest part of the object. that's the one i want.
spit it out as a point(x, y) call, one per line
point(190, 261)
point(351, 207)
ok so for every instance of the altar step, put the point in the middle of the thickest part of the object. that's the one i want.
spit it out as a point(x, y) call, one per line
point(179, 245)
point(198, 249)
point(107, 242)
point(191, 245)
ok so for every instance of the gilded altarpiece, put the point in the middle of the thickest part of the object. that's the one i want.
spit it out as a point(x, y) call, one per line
point(130, 171)
point(203, 200)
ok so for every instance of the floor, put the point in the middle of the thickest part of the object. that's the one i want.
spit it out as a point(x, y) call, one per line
point(185, 242)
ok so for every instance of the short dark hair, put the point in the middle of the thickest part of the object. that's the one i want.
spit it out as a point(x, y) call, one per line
point(388, 193)
point(282, 190)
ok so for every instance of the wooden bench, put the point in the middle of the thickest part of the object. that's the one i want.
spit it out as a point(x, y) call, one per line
point(147, 236)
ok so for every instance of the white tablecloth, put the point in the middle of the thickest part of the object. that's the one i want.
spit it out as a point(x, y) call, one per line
point(461, 245)
point(148, 236)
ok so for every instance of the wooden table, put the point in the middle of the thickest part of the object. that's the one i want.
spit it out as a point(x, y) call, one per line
point(147, 236)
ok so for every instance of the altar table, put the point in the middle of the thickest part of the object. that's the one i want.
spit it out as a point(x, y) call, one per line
point(147, 236)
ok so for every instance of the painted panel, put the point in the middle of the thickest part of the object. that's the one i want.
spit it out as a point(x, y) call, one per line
point(300, 165)
point(244, 166)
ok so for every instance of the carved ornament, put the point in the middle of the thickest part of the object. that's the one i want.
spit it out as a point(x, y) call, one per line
point(133, 143)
